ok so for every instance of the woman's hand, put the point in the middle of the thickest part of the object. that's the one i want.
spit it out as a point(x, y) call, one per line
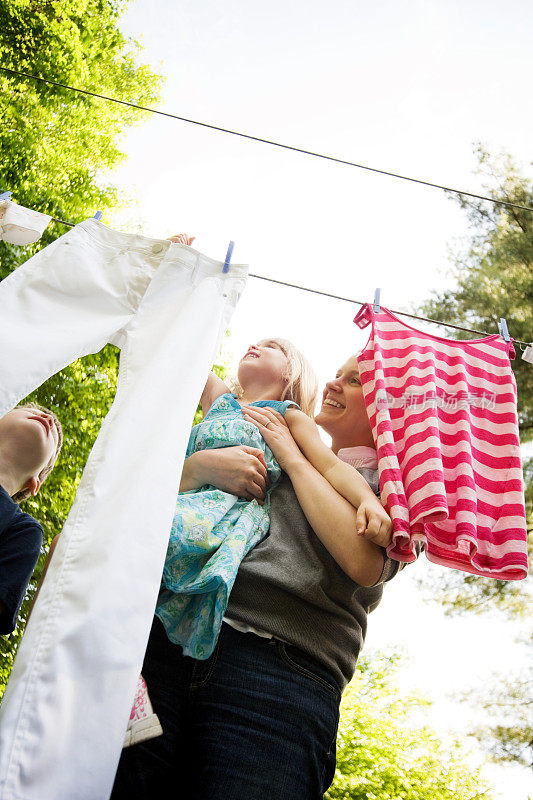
point(239, 470)
point(275, 431)
point(373, 522)
point(182, 238)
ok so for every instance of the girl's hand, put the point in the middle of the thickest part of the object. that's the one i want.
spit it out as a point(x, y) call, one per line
point(276, 433)
point(373, 522)
point(239, 470)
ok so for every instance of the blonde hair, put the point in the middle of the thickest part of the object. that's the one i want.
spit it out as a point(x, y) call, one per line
point(302, 383)
point(18, 497)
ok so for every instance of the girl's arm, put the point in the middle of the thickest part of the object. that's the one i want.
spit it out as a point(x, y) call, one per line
point(213, 388)
point(344, 478)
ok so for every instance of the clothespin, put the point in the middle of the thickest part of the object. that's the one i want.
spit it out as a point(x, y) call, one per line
point(5, 195)
point(502, 328)
point(98, 215)
point(225, 268)
point(527, 354)
point(376, 301)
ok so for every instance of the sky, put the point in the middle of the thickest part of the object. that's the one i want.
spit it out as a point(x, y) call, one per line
point(410, 86)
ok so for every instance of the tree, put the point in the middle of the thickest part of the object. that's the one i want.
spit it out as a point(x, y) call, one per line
point(55, 145)
point(508, 734)
point(494, 278)
point(382, 754)
point(55, 142)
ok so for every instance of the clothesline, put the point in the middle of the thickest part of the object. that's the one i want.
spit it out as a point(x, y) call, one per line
point(522, 344)
point(459, 192)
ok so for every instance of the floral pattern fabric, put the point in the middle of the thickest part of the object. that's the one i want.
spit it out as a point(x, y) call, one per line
point(211, 533)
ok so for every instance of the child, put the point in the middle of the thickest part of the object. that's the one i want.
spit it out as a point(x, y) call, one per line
point(30, 440)
point(213, 530)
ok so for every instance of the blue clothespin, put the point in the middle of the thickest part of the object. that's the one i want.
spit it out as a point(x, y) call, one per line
point(225, 268)
point(98, 215)
point(502, 328)
point(5, 195)
point(376, 301)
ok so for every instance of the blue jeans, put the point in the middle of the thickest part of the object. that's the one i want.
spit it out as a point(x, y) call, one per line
point(256, 721)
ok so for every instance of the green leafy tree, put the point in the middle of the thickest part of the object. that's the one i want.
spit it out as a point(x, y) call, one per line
point(54, 142)
point(494, 273)
point(54, 147)
point(383, 754)
point(507, 735)
point(494, 279)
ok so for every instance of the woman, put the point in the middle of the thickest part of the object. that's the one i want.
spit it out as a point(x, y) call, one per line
point(258, 719)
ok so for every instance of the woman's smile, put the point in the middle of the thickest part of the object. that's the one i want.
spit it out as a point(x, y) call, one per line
point(330, 401)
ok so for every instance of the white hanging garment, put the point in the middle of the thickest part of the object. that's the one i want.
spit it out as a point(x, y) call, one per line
point(67, 703)
point(20, 225)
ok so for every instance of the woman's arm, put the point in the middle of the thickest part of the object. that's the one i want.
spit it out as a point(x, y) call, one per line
point(239, 470)
point(335, 521)
point(373, 522)
point(53, 544)
point(332, 518)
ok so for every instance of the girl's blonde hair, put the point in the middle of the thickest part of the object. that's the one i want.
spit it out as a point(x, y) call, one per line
point(302, 383)
point(18, 497)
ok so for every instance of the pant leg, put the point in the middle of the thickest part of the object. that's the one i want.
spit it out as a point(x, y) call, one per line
point(64, 302)
point(66, 707)
point(264, 722)
point(146, 770)
point(256, 721)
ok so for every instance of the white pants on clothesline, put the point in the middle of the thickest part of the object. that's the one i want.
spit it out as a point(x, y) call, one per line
point(66, 707)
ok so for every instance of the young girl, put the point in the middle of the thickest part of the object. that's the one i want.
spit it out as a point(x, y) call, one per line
point(212, 530)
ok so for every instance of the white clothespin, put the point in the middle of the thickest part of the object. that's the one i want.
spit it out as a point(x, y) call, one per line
point(5, 195)
point(376, 301)
point(527, 354)
point(502, 328)
point(225, 268)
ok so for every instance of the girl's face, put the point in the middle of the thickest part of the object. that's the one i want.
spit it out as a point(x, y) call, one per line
point(264, 362)
point(343, 411)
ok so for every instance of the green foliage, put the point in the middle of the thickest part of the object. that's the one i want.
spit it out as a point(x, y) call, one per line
point(54, 141)
point(54, 144)
point(382, 754)
point(494, 278)
point(508, 737)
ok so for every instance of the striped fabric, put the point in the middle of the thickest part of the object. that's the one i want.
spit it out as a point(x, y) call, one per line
point(443, 414)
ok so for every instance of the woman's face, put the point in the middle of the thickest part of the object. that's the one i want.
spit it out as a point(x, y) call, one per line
point(343, 411)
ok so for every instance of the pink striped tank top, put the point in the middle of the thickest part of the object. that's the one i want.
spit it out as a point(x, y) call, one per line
point(444, 419)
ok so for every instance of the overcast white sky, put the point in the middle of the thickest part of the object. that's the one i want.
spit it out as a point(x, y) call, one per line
point(404, 85)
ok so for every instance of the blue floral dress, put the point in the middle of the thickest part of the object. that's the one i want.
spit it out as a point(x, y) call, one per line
point(211, 533)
